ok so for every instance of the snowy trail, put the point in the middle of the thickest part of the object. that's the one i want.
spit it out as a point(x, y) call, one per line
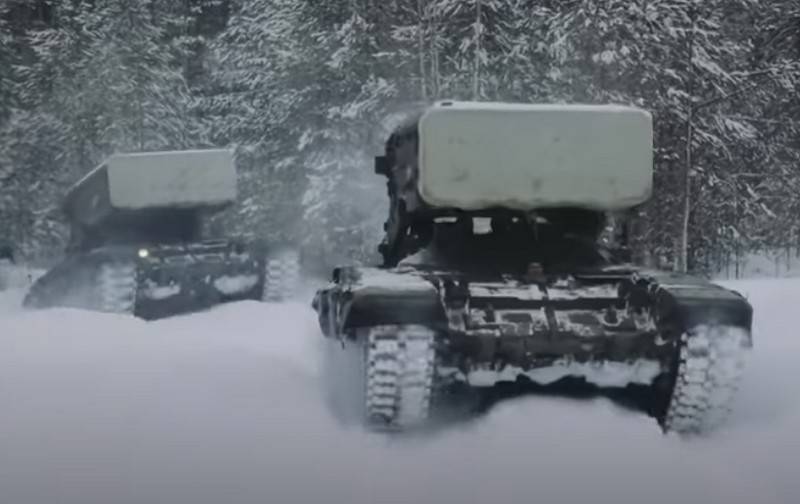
point(10, 300)
point(226, 406)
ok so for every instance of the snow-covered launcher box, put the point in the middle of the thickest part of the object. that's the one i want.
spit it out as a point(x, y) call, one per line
point(480, 155)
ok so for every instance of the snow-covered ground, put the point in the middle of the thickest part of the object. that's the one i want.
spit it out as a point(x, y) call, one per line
point(766, 264)
point(227, 407)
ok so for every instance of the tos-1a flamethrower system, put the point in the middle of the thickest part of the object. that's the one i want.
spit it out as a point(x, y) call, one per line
point(494, 272)
point(137, 246)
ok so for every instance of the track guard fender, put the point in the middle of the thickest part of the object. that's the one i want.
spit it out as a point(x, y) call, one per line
point(363, 297)
point(682, 307)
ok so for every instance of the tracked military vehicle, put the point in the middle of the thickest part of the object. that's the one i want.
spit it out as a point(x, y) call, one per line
point(494, 272)
point(137, 243)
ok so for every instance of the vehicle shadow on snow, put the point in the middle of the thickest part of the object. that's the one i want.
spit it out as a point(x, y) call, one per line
point(462, 406)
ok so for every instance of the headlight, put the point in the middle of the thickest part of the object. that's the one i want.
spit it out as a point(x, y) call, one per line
point(143, 253)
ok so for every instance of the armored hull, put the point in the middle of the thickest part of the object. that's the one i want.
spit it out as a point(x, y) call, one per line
point(413, 332)
point(158, 281)
point(138, 244)
point(500, 267)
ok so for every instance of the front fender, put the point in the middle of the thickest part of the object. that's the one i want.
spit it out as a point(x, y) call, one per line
point(687, 306)
point(363, 297)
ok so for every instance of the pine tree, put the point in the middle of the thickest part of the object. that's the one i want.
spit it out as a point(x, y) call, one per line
point(254, 102)
point(7, 63)
point(352, 93)
point(97, 79)
point(307, 92)
point(34, 138)
point(146, 96)
point(469, 42)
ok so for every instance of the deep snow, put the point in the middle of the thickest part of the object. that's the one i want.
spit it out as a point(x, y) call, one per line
point(227, 406)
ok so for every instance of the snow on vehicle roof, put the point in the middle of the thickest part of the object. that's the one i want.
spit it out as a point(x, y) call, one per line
point(377, 279)
point(476, 155)
point(492, 105)
point(166, 178)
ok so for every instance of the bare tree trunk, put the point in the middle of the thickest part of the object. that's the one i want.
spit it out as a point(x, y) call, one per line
point(187, 15)
point(434, 41)
point(686, 193)
point(476, 76)
point(738, 243)
point(423, 79)
point(140, 123)
point(686, 182)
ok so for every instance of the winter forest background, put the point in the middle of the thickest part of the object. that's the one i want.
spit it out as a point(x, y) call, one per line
point(307, 90)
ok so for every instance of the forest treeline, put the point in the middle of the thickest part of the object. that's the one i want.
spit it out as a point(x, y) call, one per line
point(307, 90)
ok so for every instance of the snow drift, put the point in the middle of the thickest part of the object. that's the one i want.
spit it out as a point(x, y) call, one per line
point(227, 406)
